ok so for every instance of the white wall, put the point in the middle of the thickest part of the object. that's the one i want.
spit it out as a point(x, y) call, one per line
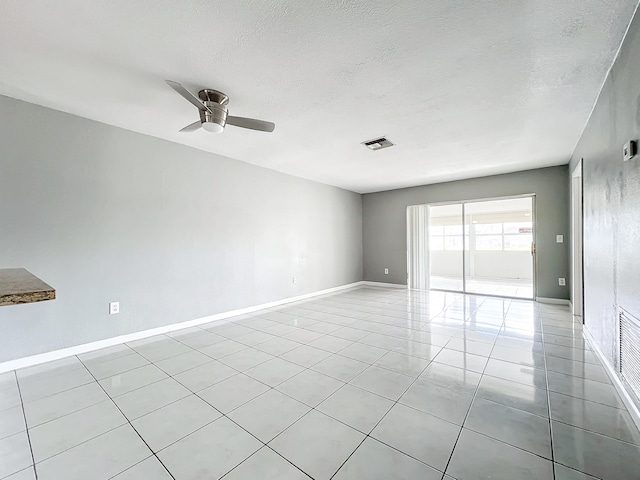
point(172, 233)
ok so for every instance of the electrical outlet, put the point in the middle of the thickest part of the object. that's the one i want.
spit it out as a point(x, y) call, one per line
point(295, 279)
point(562, 282)
point(559, 238)
point(114, 308)
point(386, 271)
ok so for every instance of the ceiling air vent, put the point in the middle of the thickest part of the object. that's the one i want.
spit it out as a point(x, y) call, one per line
point(378, 143)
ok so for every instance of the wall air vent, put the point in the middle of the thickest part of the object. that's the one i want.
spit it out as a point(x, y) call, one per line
point(378, 143)
point(630, 350)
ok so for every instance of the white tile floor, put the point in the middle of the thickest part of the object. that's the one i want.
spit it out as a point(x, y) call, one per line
point(485, 286)
point(366, 384)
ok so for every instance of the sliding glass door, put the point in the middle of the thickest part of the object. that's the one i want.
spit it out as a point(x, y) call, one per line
point(483, 247)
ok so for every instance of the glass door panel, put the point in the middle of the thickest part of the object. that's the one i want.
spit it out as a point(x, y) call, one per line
point(446, 245)
point(498, 250)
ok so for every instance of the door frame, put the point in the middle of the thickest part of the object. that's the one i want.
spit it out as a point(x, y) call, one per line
point(577, 238)
point(534, 261)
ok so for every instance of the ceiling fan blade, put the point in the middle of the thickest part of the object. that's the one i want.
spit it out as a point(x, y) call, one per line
point(191, 128)
point(251, 123)
point(190, 97)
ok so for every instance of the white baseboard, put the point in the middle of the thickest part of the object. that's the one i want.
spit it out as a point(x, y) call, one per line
point(553, 301)
point(109, 342)
point(382, 284)
point(626, 398)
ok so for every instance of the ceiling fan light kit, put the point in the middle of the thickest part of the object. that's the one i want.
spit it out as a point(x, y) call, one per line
point(214, 114)
point(215, 119)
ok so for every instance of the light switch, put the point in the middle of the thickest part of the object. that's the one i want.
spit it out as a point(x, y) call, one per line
point(629, 150)
point(559, 238)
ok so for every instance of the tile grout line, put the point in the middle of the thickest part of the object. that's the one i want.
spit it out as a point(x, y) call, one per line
point(396, 402)
point(311, 409)
point(163, 371)
point(222, 415)
point(129, 423)
point(330, 353)
point(333, 353)
point(65, 415)
point(196, 394)
point(475, 394)
point(26, 426)
point(61, 391)
point(70, 413)
point(546, 377)
point(271, 449)
point(349, 456)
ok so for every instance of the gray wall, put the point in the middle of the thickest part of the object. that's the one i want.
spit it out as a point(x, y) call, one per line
point(172, 233)
point(611, 196)
point(384, 222)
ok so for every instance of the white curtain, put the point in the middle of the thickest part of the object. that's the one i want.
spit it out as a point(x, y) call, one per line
point(418, 246)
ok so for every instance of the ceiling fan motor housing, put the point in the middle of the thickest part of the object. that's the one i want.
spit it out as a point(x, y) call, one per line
point(216, 102)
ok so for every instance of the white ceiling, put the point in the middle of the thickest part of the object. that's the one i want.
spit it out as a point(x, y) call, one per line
point(464, 87)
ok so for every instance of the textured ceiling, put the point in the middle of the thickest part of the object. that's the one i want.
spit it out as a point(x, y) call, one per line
point(465, 88)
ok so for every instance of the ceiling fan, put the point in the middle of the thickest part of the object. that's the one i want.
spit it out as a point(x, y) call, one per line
point(214, 114)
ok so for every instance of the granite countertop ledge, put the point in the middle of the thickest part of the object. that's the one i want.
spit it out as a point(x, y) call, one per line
point(18, 285)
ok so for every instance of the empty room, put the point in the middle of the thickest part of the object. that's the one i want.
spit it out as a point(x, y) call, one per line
point(339, 240)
